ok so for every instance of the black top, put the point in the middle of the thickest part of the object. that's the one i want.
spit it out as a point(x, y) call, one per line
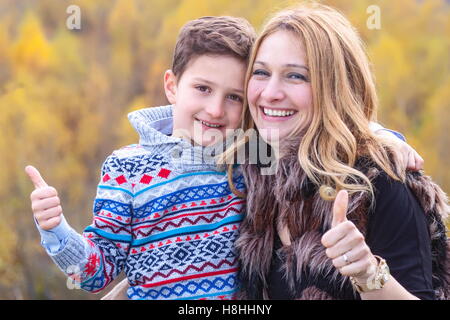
point(397, 231)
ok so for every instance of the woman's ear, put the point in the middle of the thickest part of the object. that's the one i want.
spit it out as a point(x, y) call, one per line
point(170, 86)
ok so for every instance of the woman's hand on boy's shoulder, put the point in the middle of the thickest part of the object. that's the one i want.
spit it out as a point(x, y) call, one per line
point(45, 203)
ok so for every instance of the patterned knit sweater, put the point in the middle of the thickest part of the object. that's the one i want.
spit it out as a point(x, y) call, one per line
point(164, 214)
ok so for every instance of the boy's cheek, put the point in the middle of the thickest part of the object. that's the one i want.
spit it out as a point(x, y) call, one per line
point(235, 118)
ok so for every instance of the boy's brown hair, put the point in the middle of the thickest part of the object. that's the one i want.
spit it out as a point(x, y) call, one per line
point(214, 36)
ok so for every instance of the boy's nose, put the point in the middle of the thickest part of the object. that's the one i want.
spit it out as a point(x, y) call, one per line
point(216, 109)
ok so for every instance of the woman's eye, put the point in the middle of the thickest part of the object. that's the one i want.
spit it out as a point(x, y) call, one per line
point(260, 72)
point(297, 76)
point(203, 89)
point(235, 97)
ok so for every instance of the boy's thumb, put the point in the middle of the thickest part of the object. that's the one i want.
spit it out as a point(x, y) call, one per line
point(35, 177)
point(340, 206)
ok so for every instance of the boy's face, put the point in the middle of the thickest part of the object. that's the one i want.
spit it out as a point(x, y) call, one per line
point(207, 98)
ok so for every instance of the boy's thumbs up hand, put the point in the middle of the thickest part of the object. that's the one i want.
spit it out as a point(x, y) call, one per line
point(35, 177)
point(45, 202)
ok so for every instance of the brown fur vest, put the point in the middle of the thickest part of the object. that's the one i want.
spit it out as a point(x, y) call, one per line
point(280, 198)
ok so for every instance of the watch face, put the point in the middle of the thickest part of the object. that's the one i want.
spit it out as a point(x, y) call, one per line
point(371, 285)
point(384, 273)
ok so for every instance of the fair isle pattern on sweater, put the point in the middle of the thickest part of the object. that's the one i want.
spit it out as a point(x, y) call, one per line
point(170, 229)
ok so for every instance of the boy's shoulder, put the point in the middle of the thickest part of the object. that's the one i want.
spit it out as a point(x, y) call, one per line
point(135, 160)
point(131, 151)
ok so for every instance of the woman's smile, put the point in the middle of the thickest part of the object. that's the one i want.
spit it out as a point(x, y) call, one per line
point(277, 114)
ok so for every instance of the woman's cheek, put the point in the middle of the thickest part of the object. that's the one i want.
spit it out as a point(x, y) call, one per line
point(304, 97)
point(253, 92)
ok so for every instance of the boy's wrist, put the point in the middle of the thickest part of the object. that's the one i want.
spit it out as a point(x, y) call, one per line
point(54, 239)
point(396, 134)
point(374, 126)
point(379, 129)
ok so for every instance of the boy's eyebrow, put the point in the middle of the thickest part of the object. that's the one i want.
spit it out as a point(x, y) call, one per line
point(213, 83)
point(290, 65)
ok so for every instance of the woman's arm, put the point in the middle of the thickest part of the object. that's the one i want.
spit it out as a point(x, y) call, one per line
point(397, 231)
point(391, 291)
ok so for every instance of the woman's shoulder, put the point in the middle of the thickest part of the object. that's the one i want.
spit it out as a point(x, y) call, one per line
point(386, 186)
point(383, 184)
point(393, 195)
point(396, 212)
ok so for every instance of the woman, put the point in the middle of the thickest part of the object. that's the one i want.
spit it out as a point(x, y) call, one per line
point(310, 81)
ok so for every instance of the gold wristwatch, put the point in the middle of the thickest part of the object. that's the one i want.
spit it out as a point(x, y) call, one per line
point(375, 281)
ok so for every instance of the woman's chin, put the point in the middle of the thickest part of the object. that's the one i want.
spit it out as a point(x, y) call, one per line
point(273, 135)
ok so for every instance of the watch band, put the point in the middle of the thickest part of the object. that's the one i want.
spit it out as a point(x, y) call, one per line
point(376, 281)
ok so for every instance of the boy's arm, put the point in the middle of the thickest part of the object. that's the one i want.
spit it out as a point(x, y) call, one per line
point(411, 159)
point(95, 258)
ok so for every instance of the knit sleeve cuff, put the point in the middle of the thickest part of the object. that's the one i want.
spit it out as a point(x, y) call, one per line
point(72, 254)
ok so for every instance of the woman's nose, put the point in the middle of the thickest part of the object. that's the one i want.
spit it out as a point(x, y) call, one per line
point(273, 91)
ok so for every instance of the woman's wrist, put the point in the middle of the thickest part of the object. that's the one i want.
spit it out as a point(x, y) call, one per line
point(370, 271)
point(375, 278)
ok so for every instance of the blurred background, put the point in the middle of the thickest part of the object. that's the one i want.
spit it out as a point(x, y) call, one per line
point(64, 96)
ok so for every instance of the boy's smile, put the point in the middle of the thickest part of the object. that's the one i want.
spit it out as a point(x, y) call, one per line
point(207, 98)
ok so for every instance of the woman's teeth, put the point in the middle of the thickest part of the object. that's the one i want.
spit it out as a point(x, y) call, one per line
point(211, 125)
point(278, 113)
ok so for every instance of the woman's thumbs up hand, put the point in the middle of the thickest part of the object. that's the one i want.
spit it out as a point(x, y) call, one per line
point(346, 245)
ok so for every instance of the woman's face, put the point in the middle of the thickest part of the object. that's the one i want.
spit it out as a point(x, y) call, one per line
point(279, 90)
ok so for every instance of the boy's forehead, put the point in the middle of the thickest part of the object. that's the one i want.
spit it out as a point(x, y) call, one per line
point(217, 69)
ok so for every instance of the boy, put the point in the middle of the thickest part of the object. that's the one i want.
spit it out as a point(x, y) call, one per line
point(162, 213)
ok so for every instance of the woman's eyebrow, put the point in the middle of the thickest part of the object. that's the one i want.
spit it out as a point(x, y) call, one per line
point(290, 65)
point(293, 65)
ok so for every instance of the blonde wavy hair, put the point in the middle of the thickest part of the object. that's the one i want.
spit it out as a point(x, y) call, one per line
point(343, 95)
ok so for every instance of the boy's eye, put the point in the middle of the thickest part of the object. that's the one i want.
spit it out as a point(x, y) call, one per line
point(203, 89)
point(296, 76)
point(260, 72)
point(235, 97)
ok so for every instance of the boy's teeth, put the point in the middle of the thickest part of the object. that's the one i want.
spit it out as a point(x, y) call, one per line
point(277, 113)
point(211, 125)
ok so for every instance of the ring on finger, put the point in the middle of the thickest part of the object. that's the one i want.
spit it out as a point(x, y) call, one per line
point(346, 260)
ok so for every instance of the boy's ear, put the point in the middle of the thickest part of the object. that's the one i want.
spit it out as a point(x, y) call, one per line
point(170, 86)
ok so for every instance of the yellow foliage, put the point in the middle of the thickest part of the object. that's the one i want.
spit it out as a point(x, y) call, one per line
point(7, 254)
point(32, 52)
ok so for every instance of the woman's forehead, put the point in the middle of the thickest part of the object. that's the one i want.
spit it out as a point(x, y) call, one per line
point(282, 47)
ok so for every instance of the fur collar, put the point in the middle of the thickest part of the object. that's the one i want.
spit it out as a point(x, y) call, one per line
point(277, 201)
